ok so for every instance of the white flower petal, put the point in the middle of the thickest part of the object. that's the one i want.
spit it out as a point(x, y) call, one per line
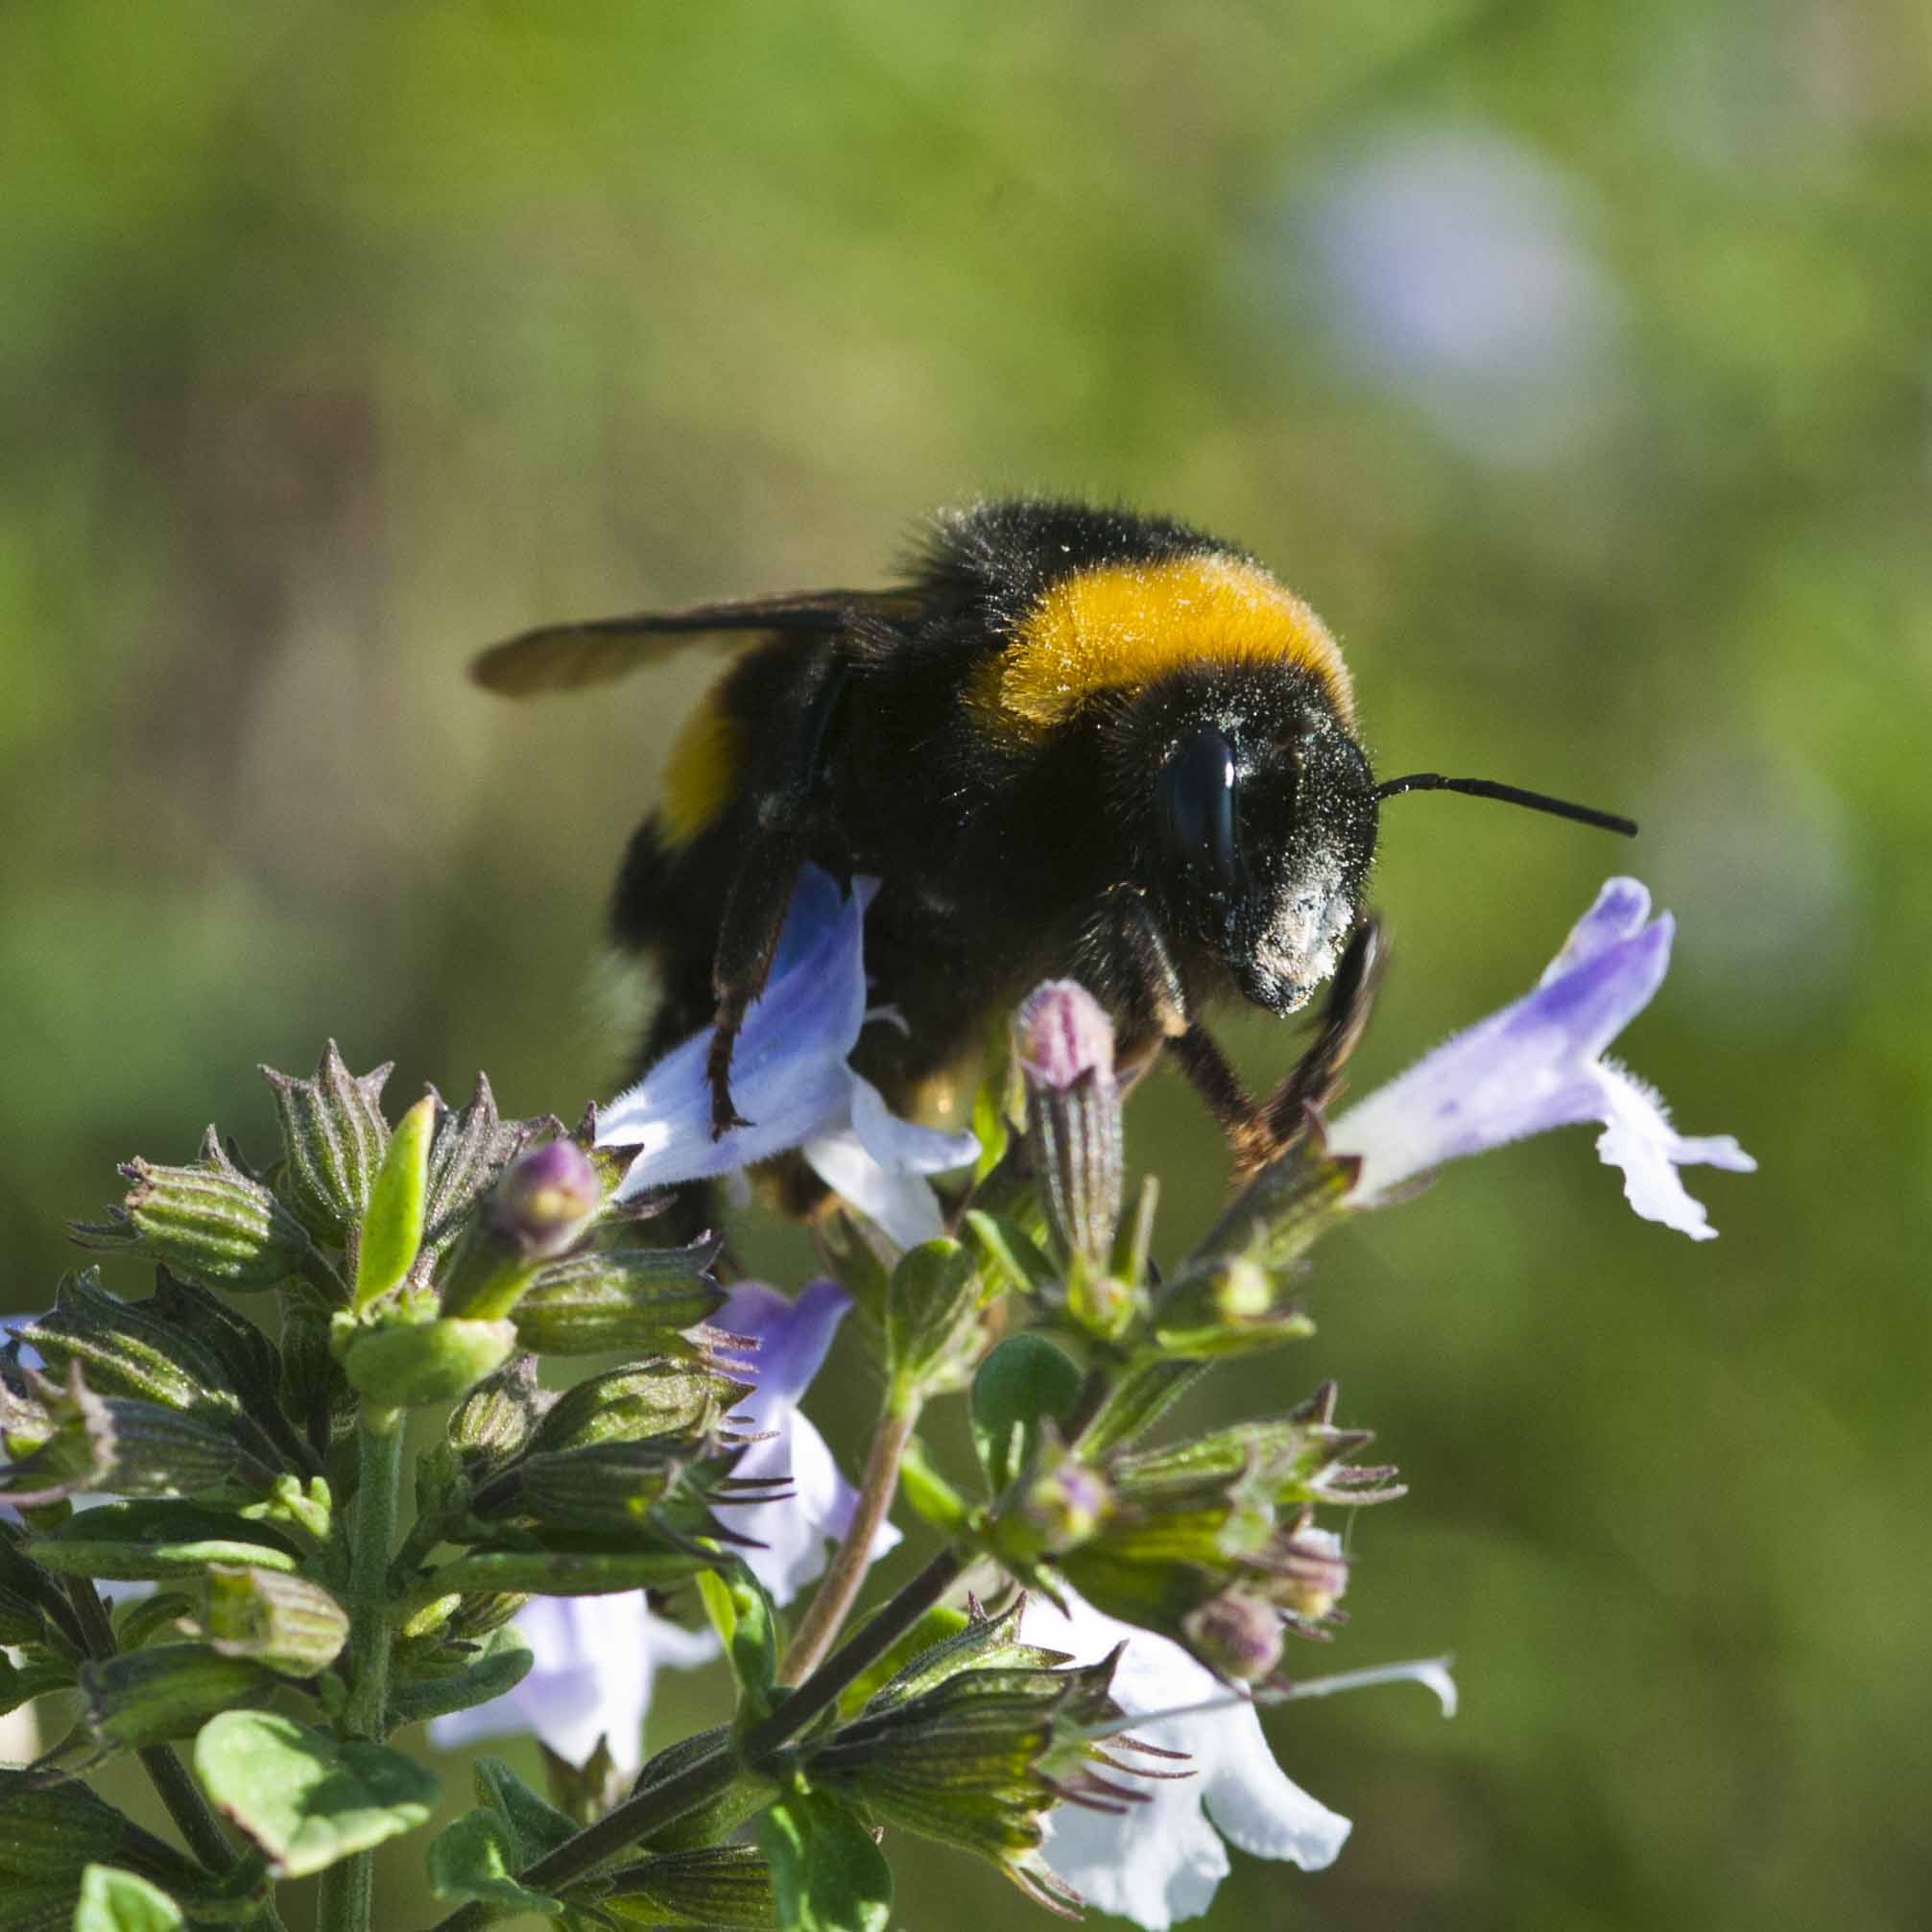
point(903, 1205)
point(1162, 1861)
point(894, 1142)
point(1639, 1139)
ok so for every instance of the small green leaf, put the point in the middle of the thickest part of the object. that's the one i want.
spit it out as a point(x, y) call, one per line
point(536, 1825)
point(1024, 1381)
point(391, 1224)
point(748, 1626)
point(118, 1901)
point(159, 1537)
point(827, 1871)
point(500, 1663)
point(475, 1859)
point(21, 1684)
point(930, 1309)
point(1010, 1256)
point(306, 1798)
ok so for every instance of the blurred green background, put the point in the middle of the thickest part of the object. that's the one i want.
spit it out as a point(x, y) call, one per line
point(1574, 361)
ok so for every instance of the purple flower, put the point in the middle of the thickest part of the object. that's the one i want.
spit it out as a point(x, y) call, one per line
point(596, 1657)
point(1538, 1064)
point(790, 1078)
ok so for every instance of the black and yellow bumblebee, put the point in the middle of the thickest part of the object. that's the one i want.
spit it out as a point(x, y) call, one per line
point(1070, 742)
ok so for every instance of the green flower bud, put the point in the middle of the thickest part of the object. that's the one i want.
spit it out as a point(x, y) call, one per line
point(1065, 1051)
point(709, 1885)
point(404, 1367)
point(211, 1221)
point(333, 1140)
point(606, 1485)
point(293, 1626)
point(611, 1300)
point(976, 1760)
point(129, 1348)
point(471, 1147)
point(497, 1417)
point(137, 1448)
point(166, 1690)
point(668, 1399)
point(541, 1207)
point(932, 1313)
point(51, 1831)
point(1229, 1306)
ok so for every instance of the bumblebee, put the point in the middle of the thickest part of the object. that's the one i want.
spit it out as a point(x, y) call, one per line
point(1071, 741)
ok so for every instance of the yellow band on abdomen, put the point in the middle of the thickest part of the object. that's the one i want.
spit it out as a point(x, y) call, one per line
point(702, 772)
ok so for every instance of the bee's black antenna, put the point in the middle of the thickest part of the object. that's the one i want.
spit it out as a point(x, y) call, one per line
point(1510, 795)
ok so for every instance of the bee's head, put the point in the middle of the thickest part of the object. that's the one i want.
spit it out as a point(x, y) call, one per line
point(1262, 826)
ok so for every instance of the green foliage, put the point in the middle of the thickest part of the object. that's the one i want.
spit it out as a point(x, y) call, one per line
point(1021, 1385)
point(827, 1874)
point(120, 1901)
point(477, 1857)
point(305, 1798)
point(392, 1225)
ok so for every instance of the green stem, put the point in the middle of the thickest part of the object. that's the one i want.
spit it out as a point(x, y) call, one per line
point(663, 1804)
point(348, 1886)
point(847, 1571)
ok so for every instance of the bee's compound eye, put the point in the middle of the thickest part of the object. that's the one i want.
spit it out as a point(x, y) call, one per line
point(1194, 807)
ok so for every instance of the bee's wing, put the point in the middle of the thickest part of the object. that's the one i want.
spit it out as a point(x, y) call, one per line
point(567, 656)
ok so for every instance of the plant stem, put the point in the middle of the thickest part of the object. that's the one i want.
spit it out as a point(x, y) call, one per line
point(348, 1886)
point(664, 1804)
point(834, 1596)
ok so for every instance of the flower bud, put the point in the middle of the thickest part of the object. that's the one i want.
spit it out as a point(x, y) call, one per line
point(293, 1626)
point(1065, 1504)
point(677, 1400)
point(209, 1221)
point(166, 1690)
point(333, 1140)
point(471, 1147)
point(1065, 1049)
point(976, 1760)
point(1237, 1634)
point(407, 1366)
point(542, 1205)
point(1229, 1306)
point(708, 1885)
point(614, 1301)
point(1312, 1572)
point(495, 1419)
point(50, 1831)
point(606, 1485)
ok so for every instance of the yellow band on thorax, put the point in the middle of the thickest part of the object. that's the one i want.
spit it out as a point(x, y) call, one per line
point(1121, 626)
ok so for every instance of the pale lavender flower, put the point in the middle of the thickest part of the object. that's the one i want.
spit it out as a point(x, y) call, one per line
point(596, 1657)
point(1163, 1859)
point(791, 1080)
point(1539, 1065)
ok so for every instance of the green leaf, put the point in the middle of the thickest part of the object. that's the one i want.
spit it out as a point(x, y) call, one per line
point(159, 1537)
point(536, 1825)
point(391, 1224)
point(500, 1663)
point(1024, 1381)
point(1010, 1256)
point(306, 1798)
point(118, 1901)
point(476, 1859)
point(827, 1871)
point(21, 1684)
point(748, 1626)
point(930, 1308)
